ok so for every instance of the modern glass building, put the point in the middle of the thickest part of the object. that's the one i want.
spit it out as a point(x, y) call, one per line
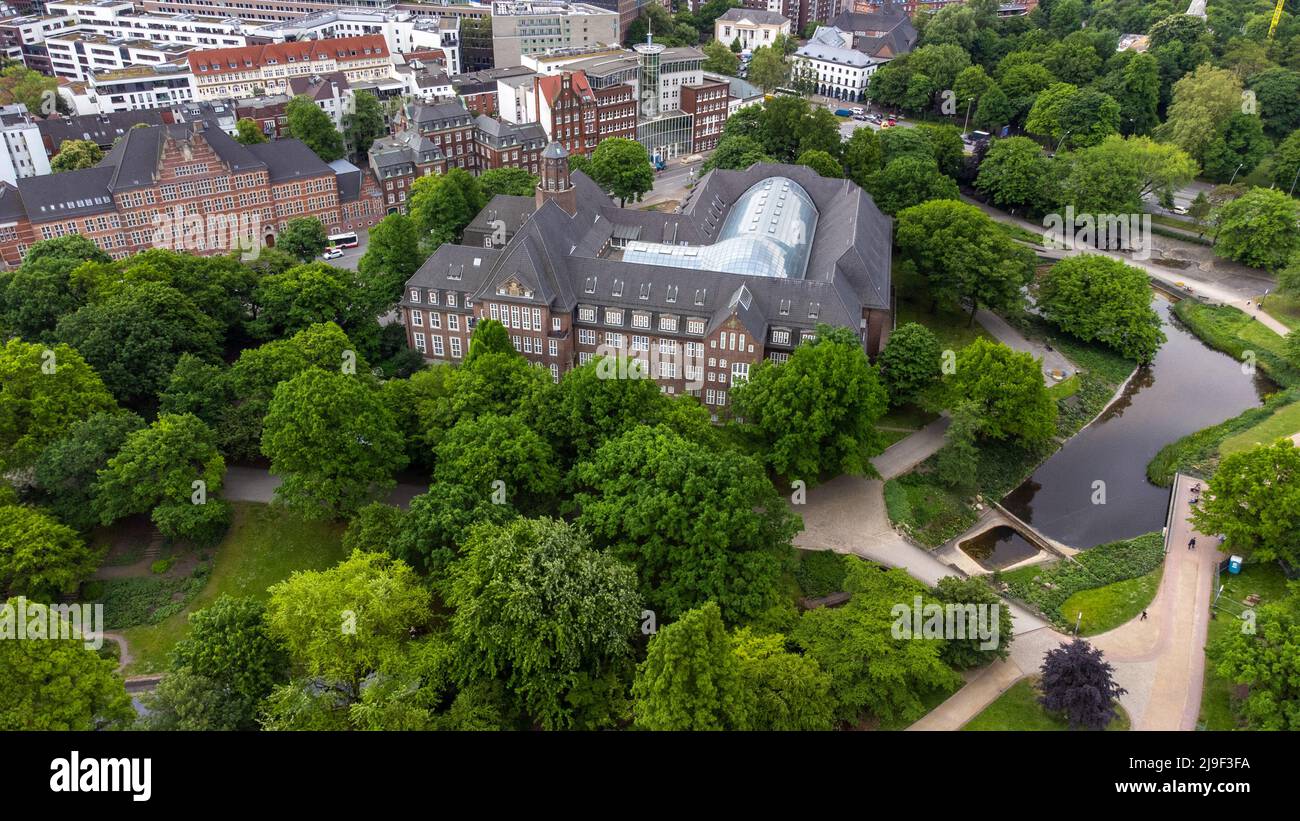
point(768, 232)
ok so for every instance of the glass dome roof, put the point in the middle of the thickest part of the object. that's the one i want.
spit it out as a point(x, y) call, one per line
point(768, 233)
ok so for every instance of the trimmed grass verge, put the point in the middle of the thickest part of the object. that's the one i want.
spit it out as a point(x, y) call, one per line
point(1236, 333)
point(1284, 308)
point(1197, 454)
point(1047, 587)
point(265, 544)
point(1018, 709)
point(1107, 607)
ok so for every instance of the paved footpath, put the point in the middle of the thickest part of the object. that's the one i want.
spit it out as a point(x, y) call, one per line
point(1003, 332)
point(244, 483)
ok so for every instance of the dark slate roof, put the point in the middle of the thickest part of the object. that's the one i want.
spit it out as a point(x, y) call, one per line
point(564, 259)
point(11, 203)
point(102, 129)
point(288, 159)
point(509, 209)
point(759, 16)
point(67, 195)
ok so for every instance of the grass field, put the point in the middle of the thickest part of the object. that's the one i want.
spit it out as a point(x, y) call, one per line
point(265, 545)
point(1280, 425)
point(1018, 709)
point(953, 328)
point(1270, 584)
point(1105, 608)
point(1284, 308)
point(1238, 335)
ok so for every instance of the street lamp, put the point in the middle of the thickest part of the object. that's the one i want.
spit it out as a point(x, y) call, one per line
point(1234, 173)
point(964, 124)
point(1293, 180)
point(1062, 140)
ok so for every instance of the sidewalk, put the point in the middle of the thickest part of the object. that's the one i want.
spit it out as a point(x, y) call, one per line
point(1009, 336)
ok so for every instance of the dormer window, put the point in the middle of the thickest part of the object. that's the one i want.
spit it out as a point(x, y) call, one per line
point(814, 308)
point(645, 290)
point(700, 295)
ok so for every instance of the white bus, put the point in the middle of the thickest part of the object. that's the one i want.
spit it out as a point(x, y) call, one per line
point(348, 240)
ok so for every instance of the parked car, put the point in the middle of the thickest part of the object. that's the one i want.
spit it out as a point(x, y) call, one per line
point(857, 110)
point(843, 112)
point(332, 253)
point(860, 117)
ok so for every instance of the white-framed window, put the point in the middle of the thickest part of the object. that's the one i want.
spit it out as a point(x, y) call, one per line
point(451, 299)
point(433, 297)
point(584, 357)
point(553, 347)
point(556, 323)
point(514, 316)
point(453, 322)
point(613, 316)
point(739, 370)
point(435, 319)
point(614, 340)
point(537, 319)
point(640, 320)
point(640, 343)
point(722, 397)
point(587, 314)
point(417, 318)
point(419, 342)
point(586, 337)
point(668, 323)
point(781, 337)
point(493, 312)
point(555, 372)
point(710, 397)
point(455, 347)
point(415, 295)
point(437, 345)
point(668, 370)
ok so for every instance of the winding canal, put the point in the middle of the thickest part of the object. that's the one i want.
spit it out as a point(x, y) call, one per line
point(1189, 386)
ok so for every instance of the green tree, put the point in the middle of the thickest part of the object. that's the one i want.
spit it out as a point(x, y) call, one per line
point(787, 691)
point(46, 391)
point(963, 256)
point(720, 59)
point(1203, 101)
point(767, 68)
point(994, 110)
point(443, 204)
point(1238, 148)
point(436, 527)
point(312, 294)
point(691, 677)
point(821, 162)
point(248, 133)
point(489, 336)
point(1258, 229)
point(1095, 297)
point(479, 452)
point(304, 238)
point(1254, 500)
point(536, 604)
point(340, 624)
point(910, 181)
point(957, 462)
point(134, 337)
point(871, 670)
point(1015, 174)
point(515, 182)
point(1007, 389)
point(736, 153)
point(811, 434)
point(1073, 60)
point(971, 651)
point(66, 470)
point(1262, 660)
point(311, 125)
point(945, 146)
point(41, 558)
point(60, 684)
point(333, 441)
point(622, 167)
point(1137, 90)
point(862, 156)
point(76, 154)
point(230, 647)
point(392, 256)
point(171, 469)
point(363, 123)
point(697, 526)
point(1286, 164)
point(909, 364)
point(1114, 176)
point(1277, 91)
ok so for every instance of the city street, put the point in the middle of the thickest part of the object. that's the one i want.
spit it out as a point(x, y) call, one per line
point(671, 183)
point(352, 256)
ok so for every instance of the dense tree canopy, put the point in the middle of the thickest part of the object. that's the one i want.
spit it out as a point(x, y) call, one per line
point(1007, 388)
point(1096, 297)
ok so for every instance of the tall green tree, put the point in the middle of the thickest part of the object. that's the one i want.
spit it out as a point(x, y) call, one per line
point(307, 122)
point(1008, 391)
point(1259, 229)
point(46, 391)
point(622, 167)
point(1254, 500)
point(767, 68)
point(66, 470)
point(909, 363)
point(537, 605)
point(515, 182)
point(1095, 297)
point(813, 433)
point(304, 238)
point(363, 122)
point(691, 678)
point(443, 204)
point(247, 132)
point(392, 256)
point(40, 557)
point(76, 154)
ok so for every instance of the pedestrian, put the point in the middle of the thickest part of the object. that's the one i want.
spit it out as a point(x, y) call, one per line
point(1144, 615)
point(1192, 544)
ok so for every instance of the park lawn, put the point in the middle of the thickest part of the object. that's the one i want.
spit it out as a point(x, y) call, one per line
point(1284, 308)
point(1281, 425)
point(1018, 709)
point(1107, 607)
point(1216, 694)
point(1236, 333)
point(892, 437)
point(265, 545)
point(908, 416)
point(953, 328)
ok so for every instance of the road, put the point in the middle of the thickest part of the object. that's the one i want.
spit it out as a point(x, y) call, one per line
point(352, 256)
point(670, 184)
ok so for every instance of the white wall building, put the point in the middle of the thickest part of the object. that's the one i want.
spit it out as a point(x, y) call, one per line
point(137, 87)
point(76, 55)
point(403, 32)
point(116, 18)
point(842, 73)
point(24, 152)
point(753, 27)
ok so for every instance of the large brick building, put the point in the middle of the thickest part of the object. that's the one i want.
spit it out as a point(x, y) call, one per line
point(580, 117)
point(754, 261)
point(169, 185)
point(250, 71)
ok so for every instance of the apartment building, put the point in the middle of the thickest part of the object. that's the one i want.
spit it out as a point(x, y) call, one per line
point(745, 272)
point(251, 71)
point(403, 32)
point(579, 117)
point(522, 27)
point(119, 18)
point(834, 69)
point(160, 178)
point(23, 39)
point(24, 151)
point(139, 87)
point(707, 104)
point(75, 55)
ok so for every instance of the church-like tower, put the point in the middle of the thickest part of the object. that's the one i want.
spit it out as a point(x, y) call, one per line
point(555, 183)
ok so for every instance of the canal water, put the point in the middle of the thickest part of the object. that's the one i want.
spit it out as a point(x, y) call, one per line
point(1188, 387)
